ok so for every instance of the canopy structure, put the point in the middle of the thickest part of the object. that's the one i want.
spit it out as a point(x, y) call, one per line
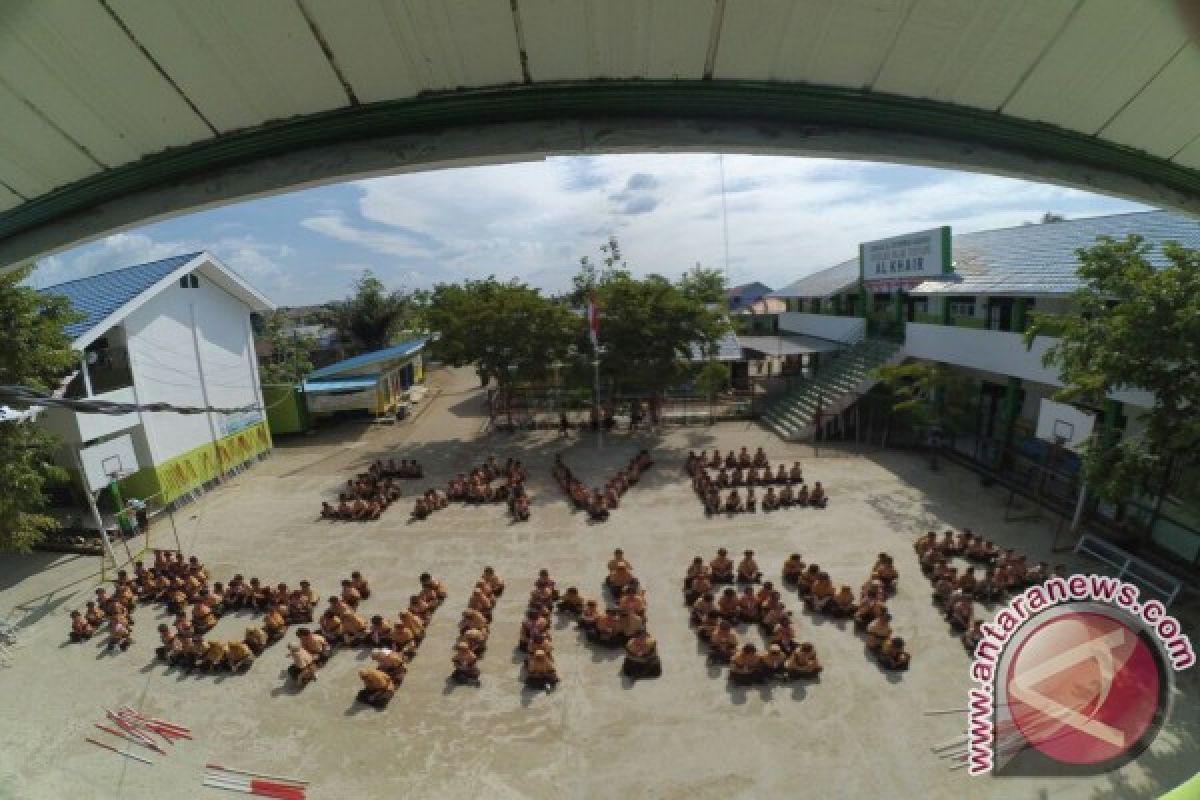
point(787, 345)
point(121, 112)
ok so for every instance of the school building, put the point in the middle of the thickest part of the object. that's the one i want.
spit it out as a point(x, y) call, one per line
point(172, 331)
point(378, 383)
point(965, 300)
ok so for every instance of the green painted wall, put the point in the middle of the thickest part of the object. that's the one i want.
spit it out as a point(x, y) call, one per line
point(286, 409)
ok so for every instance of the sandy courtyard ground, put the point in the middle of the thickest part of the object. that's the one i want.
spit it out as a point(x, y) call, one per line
point(858, 733)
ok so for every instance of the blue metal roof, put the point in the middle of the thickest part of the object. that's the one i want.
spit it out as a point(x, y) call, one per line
point(340, 385)
point(363, 363)
point(99, 296)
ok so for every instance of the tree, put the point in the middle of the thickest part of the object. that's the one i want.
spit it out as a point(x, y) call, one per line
point(37, 354)
point(289, 359)
point(372, 316)
point(932, 396)
point(507, 331)
point(704, 284)
point(591, 275)
point(1133, 326)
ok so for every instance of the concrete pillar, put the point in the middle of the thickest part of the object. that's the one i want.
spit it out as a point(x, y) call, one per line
point(945, 309)
point(1019, 312)
point(1010, 411)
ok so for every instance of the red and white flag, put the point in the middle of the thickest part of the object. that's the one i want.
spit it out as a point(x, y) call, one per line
point(593, 318)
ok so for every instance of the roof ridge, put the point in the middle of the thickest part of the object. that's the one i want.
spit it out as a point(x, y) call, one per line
point(1025, 225)
point(186, 256)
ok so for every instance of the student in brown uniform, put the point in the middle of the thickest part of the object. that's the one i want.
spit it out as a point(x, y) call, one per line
point(820, 596)
point(893, 656)
point(722, 567)
point(170, 646)
point(771, 663)
point(350, 595)
point(391, 663)
point(588, 617)
point(120, 633)
point(724, 642)
point(256, 639)
point(540, 672)
point(745, 667)
point(747, 569)
point(378, 688)
point(770, 501)
point(303, 669)
point(879, 630)
point(80, 629)
point(315, 644)
point(843, 604)
point(466, 664)
point(572, 601)
point(493, 581)
point(803, 663)
point(641, 659)
point(354, 628)
point(792, 569)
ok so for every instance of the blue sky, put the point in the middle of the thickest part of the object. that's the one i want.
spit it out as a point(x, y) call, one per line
point(786, 217)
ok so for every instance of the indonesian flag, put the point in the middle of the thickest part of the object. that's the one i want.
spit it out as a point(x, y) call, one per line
point(593, 318)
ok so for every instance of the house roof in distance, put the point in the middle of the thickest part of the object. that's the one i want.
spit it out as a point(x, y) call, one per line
point(753, 289)
point(822, 283)
point(107, 298)
point(1041, 259)
point(368, 363)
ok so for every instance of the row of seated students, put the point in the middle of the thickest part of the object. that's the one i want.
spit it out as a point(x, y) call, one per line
point(514, 494)
point(393, 644)
point(598, 503)
point(474, 628)
point(534, 637)
point(744, 475)
point(771, 501)
point(404, 469)
point(742, 459)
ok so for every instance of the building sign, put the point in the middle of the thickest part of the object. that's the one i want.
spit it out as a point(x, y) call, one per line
point(906, 260)
point(343, 401)
point(240, 421)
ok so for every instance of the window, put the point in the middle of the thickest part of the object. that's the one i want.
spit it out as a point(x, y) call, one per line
point(962, 306)
point(189, 282)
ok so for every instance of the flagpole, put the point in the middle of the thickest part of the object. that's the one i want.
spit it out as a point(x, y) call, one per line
point(593, 332)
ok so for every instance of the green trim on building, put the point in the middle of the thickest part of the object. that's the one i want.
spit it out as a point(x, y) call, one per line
point(287, 411)
point(142, 484)
point(736, 101)
point(947, 250)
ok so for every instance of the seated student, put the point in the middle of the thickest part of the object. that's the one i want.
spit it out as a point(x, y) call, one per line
point(751, 501)
point(723, 480)
point(738, 477)
point(752, 476)
point(238, 657)
point(695, 569)
point(275, 623)
point(633, 601)
point(801, 497)
point(795, 474)
point(80, 629)
point(213, 657)
point(872, 599)
point(540, 672)
point(641, 659)
point(482, 602)
point(784, 635)
point(712, 501)
point(820, 596)
point(749, 609)
point(413, 623)
point(183, 626)
point(817, 497)
point(967, 581)
point(728, 606)
point(780, 476)
point(893, 656)
point(973, 636)
point(608, 629)
point(786, 497)
point(521, 508)
point(256, 639)
point(170, 646)
point(944, 587)
point(493, 581)
point(588, 617)
point(770, 501)
point(466, 664)
point(879, 630)
point(989, 590)
point(746, 667)
point(472, 619)
point(120, 633)
point(315, 645)
point(714, 461)
point(390, 663)
point(533, 624)
point(803, 663)
point(403, 640)
point(354, 628)
point(722, 567)
point(572, 601)
point(259, 596)
point(544, 579)
point(93, 614)
point(378, 688)
point(191, 652)
point(885, 572)
point(771, 662)
point(703, 605)
point(699, 587)
point(807, 578)
point(731, 460)
point(723, 642)
point(428, 584)
point(350, 595)
point(421, 508)
point(747, 568)
point(733, 503)
point(962, 612)
point(760, 457)
point(793, 568)
point(330, 624)
point(299, 608)
point(620, 577)
point(843, 603)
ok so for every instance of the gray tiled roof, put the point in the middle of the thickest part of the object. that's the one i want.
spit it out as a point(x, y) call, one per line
point(825, 283)
point(1040, 259)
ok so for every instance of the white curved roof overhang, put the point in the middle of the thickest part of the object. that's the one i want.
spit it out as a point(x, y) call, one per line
point(120, 112)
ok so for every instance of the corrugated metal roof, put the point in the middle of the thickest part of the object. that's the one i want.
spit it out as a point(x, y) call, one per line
point(340, 385)
point(1041, 259)
point(367, 360)
point(824, 283)
point(787, 345)
point(99, 296)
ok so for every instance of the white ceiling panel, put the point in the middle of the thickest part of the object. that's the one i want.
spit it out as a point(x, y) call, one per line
point(834, 42)
point(584, 39)
point(1104, 58)
point(79, 69)
point(241, 63)
point(396, 48)
point(8, 199)
point(1001, 45)
point(34, 156)
point(1165, 117)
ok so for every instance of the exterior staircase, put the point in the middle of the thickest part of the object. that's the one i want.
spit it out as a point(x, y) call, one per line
point(838, 383)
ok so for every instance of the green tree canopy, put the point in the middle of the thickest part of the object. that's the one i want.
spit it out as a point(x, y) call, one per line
point(288, 361)
point(704, 284)
point(929, 394)
point(1133, 326)
point(37, 353)
point(372, 317)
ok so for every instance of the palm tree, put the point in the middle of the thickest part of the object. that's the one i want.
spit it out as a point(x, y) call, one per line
point(371, 317)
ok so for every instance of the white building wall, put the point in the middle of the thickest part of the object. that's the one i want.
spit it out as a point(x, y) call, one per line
point(169, 361)
point(837, 329)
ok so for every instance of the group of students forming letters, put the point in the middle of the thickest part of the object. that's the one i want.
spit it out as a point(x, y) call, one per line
point(367, 495)
point(955, 591)
point(476, 488)
point(744, 471)
point(620, 624)
point(596, 502)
